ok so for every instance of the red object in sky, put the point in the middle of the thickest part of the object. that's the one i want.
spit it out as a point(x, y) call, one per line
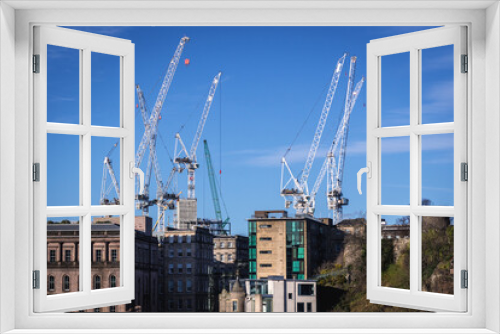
point(220, 171)
point(187, 61)
point(137, 106)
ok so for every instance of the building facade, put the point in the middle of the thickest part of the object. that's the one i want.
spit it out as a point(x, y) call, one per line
point(230, 258)
point(291, 247)
point(63, 261)
point(188, 280)
point(274, 294)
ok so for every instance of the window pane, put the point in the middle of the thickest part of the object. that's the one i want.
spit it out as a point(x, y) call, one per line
point(437, 84)
point(63, 170)
point(437, 169)
point(105, 90)
point(437, 254)
point(106, 252)
point(395, 89)
point(63, 85)
point(395, 252)
point(63, 265)
point(105, 171)
point(395, 168)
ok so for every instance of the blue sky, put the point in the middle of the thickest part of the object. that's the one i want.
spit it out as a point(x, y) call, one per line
point(272, 78)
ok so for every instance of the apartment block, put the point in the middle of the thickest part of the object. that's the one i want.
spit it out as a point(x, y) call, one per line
point(292, 247)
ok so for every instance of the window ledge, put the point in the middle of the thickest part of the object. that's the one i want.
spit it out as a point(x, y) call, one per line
point(251, 331)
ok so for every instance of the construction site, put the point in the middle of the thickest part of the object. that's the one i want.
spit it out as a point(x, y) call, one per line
point(294, 186)
point(167, 197)
point(202, 275)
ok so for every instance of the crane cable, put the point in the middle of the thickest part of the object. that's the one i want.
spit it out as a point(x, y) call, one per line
point(198, 104)
point(220, 149)
point(220, 138)
point(306, 120)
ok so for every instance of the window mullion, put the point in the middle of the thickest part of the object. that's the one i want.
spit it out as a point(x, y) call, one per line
point(85, 179)
point(414, 167)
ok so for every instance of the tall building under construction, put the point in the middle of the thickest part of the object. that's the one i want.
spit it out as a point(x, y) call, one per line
point(291, 247)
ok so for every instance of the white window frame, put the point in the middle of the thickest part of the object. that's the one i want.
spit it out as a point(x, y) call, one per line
point(483, 20)
point(86, 43)
point(413, 43)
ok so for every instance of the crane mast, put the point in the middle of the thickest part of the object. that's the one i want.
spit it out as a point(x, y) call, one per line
point(322, 122)
point(149, 136)
point(335, 167)
point(153, 160)
point(213, 189)
point(340, 129)
point(299, 195)
point(334, 162)
point(167, 200)
point(189, 161)
point(213, 186)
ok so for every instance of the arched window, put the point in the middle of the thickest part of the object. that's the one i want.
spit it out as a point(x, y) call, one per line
point(112, 281)
point(97, 282)
point(65, 283)
point(52, 283)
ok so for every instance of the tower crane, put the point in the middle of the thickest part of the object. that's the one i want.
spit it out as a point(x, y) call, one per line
point(152, 161)
point(298, 194)
point(151, 127)
point(334, 162)
point(188, 160)
point(167, 200)
point(108, 169)
point(213, 188)
point(335, 172)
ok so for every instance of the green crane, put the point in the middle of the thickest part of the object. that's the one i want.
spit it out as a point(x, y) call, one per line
point(213, 188)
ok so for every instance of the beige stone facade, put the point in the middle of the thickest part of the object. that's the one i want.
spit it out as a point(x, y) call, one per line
point(230, 258)
point(292, 247)
point(274, 294)
point(234, 299)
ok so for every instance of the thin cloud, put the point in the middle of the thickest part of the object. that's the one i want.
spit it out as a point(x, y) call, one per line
point(445, 189)
point(439, 161)
point(438, 101)
point(271, 157)
point(62, 99)
point(441, 62)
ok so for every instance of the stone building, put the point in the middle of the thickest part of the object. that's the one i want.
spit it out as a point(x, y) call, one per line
point(230, 258)
point(274, 294)
point(233, 299)
point(394, 231)
point(63, 261)
point(355, 227)
point(188, 283)
point(292, 247)
point(350, 240)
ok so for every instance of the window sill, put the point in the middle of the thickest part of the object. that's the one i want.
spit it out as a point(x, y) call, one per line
point(251, 331)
